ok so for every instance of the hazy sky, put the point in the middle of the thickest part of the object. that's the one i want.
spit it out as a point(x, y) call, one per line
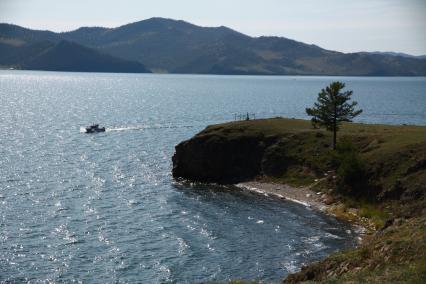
point(343, 25)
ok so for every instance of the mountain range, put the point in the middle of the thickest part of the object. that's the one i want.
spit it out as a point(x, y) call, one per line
point(170, 46)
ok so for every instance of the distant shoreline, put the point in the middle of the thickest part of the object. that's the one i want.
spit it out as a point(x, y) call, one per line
point(215, 74)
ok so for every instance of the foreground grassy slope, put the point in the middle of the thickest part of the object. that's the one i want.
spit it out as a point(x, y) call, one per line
point(379, 172)
point(396, 254)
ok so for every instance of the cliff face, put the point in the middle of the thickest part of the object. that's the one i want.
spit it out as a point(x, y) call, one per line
point(212, 158)
point(236, 152)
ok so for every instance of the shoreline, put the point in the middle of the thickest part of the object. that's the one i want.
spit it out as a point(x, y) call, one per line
point(301, 195)
point(308, 198)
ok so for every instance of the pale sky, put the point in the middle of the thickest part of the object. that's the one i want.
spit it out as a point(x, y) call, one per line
point(343, 25)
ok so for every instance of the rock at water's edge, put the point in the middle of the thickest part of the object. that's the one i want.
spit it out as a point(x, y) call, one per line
point(212, 158)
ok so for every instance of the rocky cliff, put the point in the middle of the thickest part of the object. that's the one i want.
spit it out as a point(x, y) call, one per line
point(214, 158)
point(377, 170)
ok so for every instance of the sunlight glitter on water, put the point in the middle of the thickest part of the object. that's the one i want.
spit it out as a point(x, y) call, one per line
point(104, 208)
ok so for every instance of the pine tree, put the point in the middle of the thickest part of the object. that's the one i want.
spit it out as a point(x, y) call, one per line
point(332, 108)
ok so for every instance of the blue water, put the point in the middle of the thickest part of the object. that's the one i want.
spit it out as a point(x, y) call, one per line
point(104, 208)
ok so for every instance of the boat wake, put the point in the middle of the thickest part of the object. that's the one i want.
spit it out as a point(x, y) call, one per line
point(124, 128)
point(147, 127)
point(140, 127)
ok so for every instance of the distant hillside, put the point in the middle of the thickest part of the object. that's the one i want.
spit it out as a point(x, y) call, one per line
point(39, 50)
point(68, 56)
point(401, 54)
point(170, 46)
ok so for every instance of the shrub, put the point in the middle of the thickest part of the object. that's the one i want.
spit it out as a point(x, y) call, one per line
point(351, 172)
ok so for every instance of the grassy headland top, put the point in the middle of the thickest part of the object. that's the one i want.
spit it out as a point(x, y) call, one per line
point(282, 148)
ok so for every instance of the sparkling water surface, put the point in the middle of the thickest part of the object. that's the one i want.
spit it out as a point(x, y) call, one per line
point(104, 208)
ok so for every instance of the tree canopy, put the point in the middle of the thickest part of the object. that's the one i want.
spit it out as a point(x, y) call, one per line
point(332, 108)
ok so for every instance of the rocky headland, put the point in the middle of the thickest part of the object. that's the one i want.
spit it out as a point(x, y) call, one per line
point(375, 178)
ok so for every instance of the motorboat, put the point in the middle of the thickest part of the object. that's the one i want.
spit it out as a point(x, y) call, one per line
point(94, 128)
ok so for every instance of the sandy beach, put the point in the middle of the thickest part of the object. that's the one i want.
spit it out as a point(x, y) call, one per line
point(301, 195)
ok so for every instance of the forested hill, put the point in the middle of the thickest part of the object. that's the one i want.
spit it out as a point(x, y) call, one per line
point(34, 50)
point(171, 46)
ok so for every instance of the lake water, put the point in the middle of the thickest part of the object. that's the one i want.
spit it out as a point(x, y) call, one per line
point(104, 208)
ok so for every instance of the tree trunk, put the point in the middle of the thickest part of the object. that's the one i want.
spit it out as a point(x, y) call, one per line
point(334, 137)
point(334, 126)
